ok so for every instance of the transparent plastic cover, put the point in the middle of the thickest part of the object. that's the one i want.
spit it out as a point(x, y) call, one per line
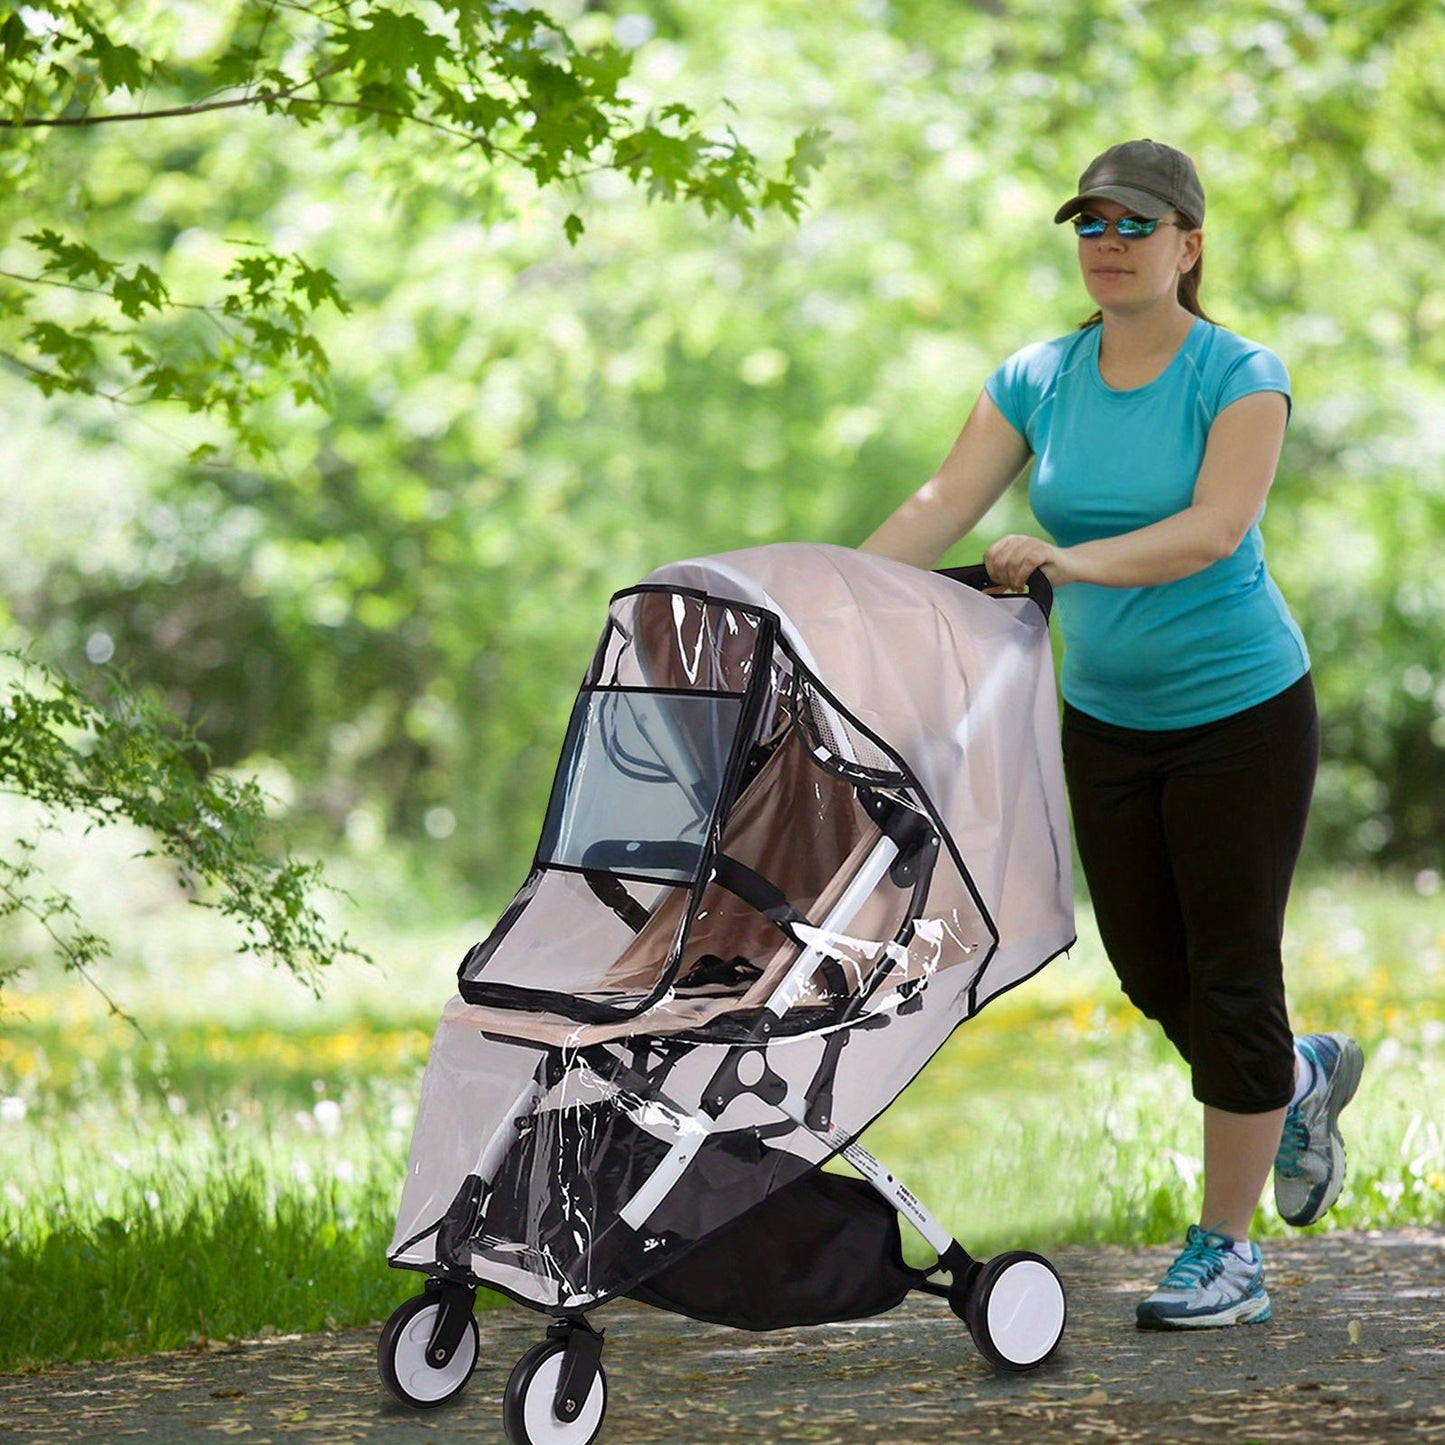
point(809, 818)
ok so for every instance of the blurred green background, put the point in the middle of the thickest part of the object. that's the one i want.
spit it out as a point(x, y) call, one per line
point(386, 614)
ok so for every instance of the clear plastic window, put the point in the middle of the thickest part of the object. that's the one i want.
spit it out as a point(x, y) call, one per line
point(640, 778)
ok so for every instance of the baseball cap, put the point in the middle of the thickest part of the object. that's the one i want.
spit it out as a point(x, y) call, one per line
point(1150, 178)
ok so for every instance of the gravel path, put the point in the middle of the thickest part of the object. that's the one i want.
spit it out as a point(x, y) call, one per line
point(1355, 1352)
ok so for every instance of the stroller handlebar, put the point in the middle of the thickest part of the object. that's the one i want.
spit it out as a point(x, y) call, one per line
point(1040, 591)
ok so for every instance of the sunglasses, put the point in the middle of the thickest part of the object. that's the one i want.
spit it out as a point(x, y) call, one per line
point(1127, 228)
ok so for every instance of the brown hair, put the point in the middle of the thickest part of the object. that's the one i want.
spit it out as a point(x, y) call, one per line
point(1189, 282)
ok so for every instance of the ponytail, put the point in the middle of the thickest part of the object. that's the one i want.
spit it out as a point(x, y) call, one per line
point(1188, 291)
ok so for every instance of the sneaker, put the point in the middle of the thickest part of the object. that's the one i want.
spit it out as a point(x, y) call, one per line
point(1309, 1169)
point(1207, 1286)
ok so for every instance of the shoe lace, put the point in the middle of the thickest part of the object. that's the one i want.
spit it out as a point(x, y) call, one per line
point(1294, 1142)
point(1201, 1260)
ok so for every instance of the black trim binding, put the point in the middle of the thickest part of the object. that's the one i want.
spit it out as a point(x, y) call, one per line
point(478, 954)
point(540, 1000)
point(974, 1007)
point(585, 1010)
point(588, 688)
point(697, 594)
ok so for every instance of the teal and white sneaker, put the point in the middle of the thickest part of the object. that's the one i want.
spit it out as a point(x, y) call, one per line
point(1209, 1285)
point(1309, 1169)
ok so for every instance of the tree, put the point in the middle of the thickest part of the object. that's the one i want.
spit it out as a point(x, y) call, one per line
point(506, 94)
point(128, 763)
point(492, 84)
point(395, 603)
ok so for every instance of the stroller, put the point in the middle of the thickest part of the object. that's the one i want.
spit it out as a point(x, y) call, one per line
point(808, 818)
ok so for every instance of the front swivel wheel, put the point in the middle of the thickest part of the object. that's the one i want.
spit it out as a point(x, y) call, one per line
point(532, 1413)
point(413, 1366)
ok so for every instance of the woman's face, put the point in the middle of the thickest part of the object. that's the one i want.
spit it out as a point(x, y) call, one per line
point(1130, 276)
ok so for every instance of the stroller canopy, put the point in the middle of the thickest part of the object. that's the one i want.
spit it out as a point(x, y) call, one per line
point(749, 727)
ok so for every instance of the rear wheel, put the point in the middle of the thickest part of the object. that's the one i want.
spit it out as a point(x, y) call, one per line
point(1015, 1310)
point(529, 1410)
point(401, 1356)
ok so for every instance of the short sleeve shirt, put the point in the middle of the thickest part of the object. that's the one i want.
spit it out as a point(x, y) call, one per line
point(1108, 461)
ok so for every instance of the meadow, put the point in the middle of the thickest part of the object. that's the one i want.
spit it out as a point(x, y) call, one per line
point(230, 1167)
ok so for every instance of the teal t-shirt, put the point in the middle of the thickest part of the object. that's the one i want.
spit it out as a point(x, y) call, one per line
point(1107, 462)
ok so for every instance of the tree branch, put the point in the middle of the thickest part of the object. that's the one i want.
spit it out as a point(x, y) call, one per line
point(172, 112)
point(489, 147)
point(98, 291)
point(77, 951)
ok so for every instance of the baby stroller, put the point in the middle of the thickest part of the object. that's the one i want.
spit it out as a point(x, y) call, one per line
point(808, 818)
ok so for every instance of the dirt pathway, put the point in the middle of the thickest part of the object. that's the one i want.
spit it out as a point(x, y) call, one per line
point(1355, 1353)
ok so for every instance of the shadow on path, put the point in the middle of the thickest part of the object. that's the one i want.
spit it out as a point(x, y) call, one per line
point(1355, 1352)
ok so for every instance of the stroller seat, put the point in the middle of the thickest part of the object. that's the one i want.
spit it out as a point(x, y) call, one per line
point(794, 841)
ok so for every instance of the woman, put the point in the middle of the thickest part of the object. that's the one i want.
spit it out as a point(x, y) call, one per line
point(1190, 734)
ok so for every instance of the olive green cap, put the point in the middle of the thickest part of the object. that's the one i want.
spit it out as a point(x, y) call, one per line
point(1147, 177)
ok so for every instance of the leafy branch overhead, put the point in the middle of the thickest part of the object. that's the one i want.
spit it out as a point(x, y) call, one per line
point(129, 763)
point(502, 87)
point(124, 277)
point(222, 359)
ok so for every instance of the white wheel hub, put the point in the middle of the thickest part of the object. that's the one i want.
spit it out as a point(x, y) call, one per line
point(543, 1426)
point(1026, 1312)
point(423, 1383)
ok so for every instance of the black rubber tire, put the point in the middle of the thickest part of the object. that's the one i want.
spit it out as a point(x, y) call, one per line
point(527, 1417)
point(401, 1356)
point(1016, 1310)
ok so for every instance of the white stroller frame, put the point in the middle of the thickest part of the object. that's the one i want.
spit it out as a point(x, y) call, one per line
point(1014, 1304)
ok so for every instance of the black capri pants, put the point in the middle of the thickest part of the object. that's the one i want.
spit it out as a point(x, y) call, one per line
point(1189, 840)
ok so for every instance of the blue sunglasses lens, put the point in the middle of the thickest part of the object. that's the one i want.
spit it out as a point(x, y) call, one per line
point(1129, 227)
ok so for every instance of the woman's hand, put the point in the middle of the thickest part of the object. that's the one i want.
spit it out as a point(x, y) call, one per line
point(1011, 561)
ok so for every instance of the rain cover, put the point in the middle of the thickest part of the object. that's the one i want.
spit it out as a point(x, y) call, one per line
point(809, 817)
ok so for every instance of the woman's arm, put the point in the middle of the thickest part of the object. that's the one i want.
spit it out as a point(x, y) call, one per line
point(985, 458)
point(1238, 469)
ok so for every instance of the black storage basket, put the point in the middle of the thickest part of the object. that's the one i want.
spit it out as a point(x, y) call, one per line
point(824, 1249)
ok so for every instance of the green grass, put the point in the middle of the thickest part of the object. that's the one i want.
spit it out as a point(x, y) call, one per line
point(236, 1170)
point(198, 1186)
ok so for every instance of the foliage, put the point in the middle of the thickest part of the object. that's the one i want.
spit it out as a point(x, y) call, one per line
point(128, 764)
point(493, 83)
point(92, 310)
point(392, 607)
point(258, 1259)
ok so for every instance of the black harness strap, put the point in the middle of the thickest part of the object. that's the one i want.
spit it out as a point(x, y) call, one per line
point(757, 892)
point(610, 890)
